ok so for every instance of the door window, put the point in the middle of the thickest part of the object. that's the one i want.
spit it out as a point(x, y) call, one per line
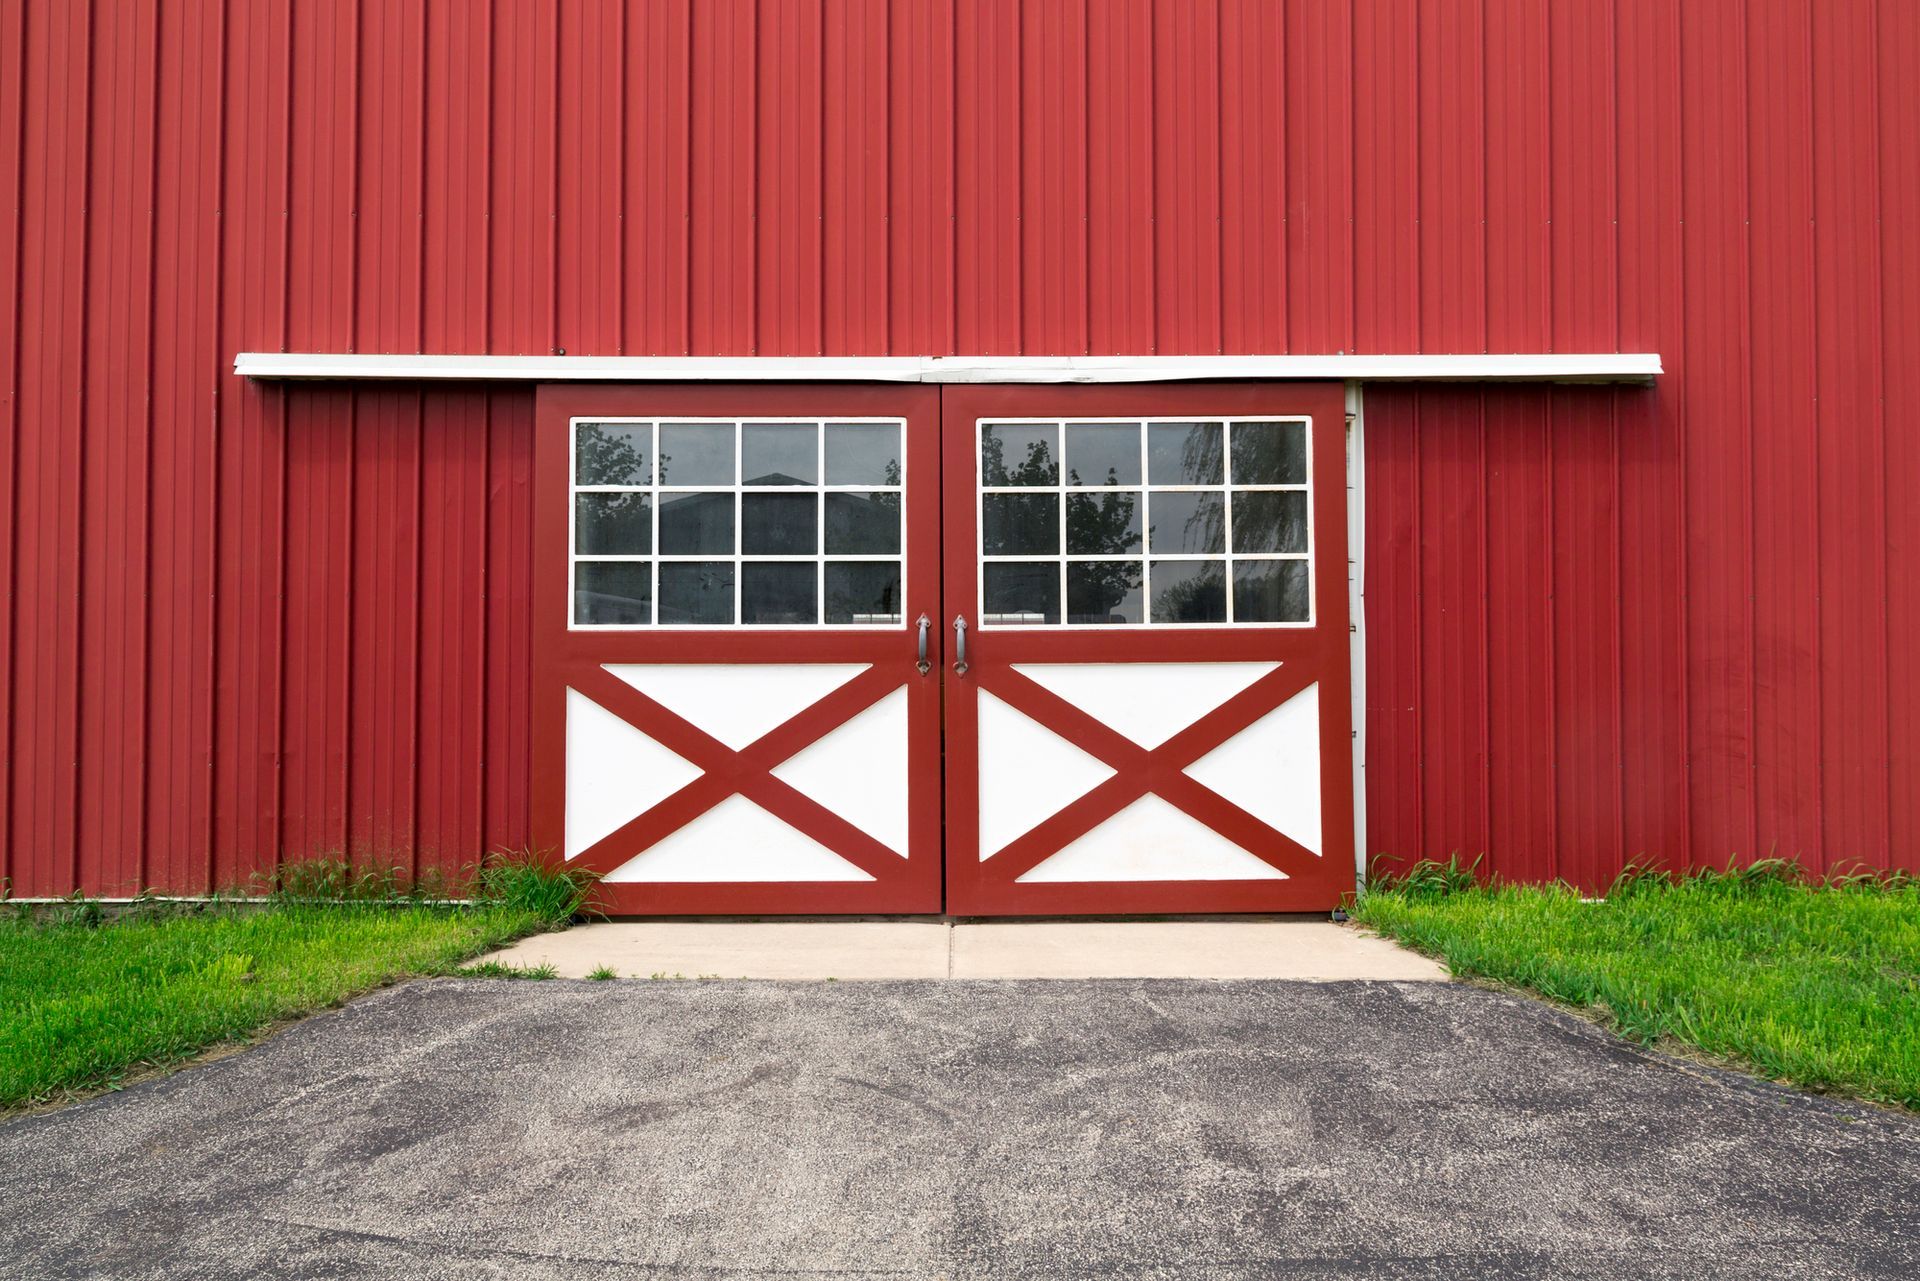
point(1100, 523)
point(728, 522)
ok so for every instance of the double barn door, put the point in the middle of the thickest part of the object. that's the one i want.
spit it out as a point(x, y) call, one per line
point(987, 650)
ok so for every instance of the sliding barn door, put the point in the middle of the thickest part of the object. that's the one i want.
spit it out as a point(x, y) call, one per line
point(1147, 687)
point(737, 658)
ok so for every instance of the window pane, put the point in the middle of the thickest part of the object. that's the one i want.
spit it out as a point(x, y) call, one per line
point(613, 592)
point(1189, 591)
point(696, 591)
point(1020, 454)
point(863, 524)
point(1270, 591)
point(1270, 453)
point(863, 591)
point(1107, 522)
point(1103, 591)
point(1103, 453)
point(613, 454)
point(696, 524)
point(777, 592)
point(778, 524)
point(779, 454)
point(1269, 521)
point(1187, 523)
point(1184, 454)
point(863, 454)
point(696, 454)
point(1020, 524)
point(612, 524)
point(1022, 595)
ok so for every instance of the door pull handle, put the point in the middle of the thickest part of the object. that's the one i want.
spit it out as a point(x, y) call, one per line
point(926, 625)
point(959, 644)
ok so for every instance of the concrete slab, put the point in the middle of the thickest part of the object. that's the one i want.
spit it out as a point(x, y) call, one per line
point(1156, 1130)
point(851, 950)
point(742, 949)
point(1315, 950)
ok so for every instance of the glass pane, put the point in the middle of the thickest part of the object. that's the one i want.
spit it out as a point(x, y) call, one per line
point(863, 524)
point(696, 453)
point(777, 592)
point(696, 524)
point(863, 591)
point(698, 591)
point(1103, 453)
point(1107, 522)
point(1270, 591)
point(1270, 453)
point(863, 454)
point(1103, 591)
point(618, 591)
point(1270, 521)
point(1184, 454)
point(1020, 454)
point(778, 524)
point(1022, 595)
point(1190, 523)
point(1189, 591)
point(612, 524)
point(1020, 524)
point(613, 454)
point(779, 454)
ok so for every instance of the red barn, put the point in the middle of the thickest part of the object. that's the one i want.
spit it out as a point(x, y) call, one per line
point(968, 455)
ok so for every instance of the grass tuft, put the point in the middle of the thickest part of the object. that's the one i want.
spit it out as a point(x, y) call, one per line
point(1430, 878)
point(501, 970)
point(526, 883)
point(601, 973)
point(1812, 983)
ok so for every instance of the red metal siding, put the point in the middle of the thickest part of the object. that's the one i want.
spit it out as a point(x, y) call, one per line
point(247, 622)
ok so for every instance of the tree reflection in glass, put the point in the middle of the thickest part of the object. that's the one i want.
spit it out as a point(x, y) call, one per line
point(612, 454)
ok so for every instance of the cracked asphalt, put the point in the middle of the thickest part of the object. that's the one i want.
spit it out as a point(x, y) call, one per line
point(1167, 1128)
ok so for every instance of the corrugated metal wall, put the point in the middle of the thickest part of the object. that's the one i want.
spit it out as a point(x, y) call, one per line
point(246, 621)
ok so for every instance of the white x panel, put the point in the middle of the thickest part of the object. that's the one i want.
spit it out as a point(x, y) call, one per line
point(615, 773)
point(1028, 773)
point(1147, 702)
point(736, 840)
point(737, 703)
point(1271, 769)
point(1151, 840)
point(859, 771)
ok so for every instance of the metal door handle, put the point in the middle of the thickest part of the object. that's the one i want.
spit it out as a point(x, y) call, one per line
point(959, 644)
point(926, 625)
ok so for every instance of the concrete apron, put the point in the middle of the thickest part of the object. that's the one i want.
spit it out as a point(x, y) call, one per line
point(1310, 950)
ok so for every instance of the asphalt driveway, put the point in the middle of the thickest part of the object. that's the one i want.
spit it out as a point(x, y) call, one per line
point(1105, 1128)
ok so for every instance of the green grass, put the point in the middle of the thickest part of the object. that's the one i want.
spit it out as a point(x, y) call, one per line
point(89, 999)
point(1815, 985)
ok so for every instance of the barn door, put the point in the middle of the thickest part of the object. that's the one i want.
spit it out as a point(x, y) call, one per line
point(731, 714)
point(747, 632)
point(1147, 689)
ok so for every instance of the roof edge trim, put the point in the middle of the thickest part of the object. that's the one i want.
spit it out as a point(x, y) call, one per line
point(1602, 367)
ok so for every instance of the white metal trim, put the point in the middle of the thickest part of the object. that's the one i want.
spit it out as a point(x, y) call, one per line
point(1357, 619)
point(1628, 367)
